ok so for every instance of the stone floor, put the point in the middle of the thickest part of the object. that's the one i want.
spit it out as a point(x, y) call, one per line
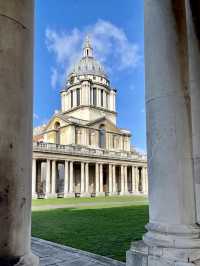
point(58, 255)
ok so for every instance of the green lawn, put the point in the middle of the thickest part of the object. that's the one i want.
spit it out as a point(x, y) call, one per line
point(123, 199)
point(103, 229)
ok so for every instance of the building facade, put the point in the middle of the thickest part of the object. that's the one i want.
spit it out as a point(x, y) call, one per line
point(81, 151)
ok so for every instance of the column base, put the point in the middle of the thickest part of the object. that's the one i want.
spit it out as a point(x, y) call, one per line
point(142, 255)
point(100, 194)
point(85, 195)
point(51, 196)
point(34, 196)
point(27, 260)
point(69, 195)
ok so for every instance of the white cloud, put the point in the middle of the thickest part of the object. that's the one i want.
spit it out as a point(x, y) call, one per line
point(35, 116)
point(111, 45)
point(54, 77)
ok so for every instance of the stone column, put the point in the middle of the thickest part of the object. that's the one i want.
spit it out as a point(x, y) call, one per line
point(110, 180)
point(82, 177)
point(101, 178)
point(53, 180)
point(71, 177)
point(194, 74)
point(173, 234)
point(122, 179)
point(136, 180)
point(87, 178)
point(48, 181)
point(97, 178)
point(16, 82)
point(133, 179)
point(34, 179)
point(125, 180)
point(114, 179)
point(66, 181)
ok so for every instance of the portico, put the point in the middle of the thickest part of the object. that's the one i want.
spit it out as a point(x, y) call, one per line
point(69, 176)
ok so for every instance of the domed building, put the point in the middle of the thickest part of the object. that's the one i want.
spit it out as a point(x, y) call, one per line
point(81, 151)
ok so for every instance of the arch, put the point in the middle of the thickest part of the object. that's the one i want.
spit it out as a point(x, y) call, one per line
point(57, 128)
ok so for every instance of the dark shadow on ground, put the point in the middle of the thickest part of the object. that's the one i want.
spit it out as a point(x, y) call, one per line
point(106, 231)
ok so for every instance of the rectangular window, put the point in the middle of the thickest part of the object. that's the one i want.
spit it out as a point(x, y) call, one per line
point(101, 97)
point(94, 96)
point(91, 96)
point(78, 97)
point(71, 92)
point(106, 100)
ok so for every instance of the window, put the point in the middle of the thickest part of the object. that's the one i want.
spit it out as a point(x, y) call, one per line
point(90, 137)
point(57, 128)
point(101, 97)
point(71, 92)
point(94, 96)
point(102, 137)
point(91, 96)
point(78, 97)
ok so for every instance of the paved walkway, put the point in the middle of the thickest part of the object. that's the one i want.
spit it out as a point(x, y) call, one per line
point(52, 254)
point(87, 204)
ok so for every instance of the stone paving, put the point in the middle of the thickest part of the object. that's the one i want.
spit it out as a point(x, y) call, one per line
point(52, 254)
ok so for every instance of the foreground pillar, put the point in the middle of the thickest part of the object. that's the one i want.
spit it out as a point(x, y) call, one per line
point(173, 234)
point(16, 80)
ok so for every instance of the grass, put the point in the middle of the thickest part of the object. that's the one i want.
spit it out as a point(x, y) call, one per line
point(62, 201)
point(107, 231)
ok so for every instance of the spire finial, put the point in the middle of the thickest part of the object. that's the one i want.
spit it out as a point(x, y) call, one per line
point(87, 49)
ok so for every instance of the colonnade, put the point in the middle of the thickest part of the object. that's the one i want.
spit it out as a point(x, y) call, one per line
point(87, 178)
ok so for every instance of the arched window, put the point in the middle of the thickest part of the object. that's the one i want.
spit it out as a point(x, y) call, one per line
point(57, 128)
point(102, 137)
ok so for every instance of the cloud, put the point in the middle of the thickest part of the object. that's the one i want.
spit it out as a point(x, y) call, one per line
point(111, 45)
point(35, 116)
point(54, 77)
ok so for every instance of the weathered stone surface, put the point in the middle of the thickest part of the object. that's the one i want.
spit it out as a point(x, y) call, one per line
point(59, 255)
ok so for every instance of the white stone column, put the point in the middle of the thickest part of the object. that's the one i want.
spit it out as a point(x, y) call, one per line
point(66, 181)
point(173, 234)
point(87, 178)
point(110, 180)
point(133, 179)
point(71, 177)
point(122, 179)
point(97, 178)
point(125, 180)
point(82, 177)
point(34, 179)
point(48, 178)
point(101, 177)
point(53, 180)
point(194, 74)
point(16, 82)
point(114, 179)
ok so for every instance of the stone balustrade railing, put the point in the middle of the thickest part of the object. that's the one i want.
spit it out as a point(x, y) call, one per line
point(81, 150)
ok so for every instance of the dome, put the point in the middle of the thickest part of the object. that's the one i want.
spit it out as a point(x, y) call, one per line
point(88, 64)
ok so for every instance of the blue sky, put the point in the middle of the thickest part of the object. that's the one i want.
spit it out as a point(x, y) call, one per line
point(116, 30)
